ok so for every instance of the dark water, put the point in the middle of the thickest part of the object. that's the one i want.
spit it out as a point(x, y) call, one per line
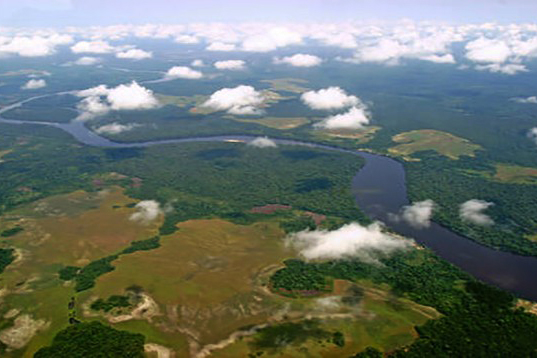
point(380, 189)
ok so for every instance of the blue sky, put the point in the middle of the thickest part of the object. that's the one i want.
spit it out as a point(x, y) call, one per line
point(102, 12)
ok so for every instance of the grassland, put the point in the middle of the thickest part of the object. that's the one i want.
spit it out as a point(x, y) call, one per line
point(514, 174)
point(61, 230)
point(443, 143)
point(281, 123)
point(359, 136)
point(292, 85)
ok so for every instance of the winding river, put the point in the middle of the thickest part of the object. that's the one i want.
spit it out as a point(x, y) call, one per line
point(379, 188)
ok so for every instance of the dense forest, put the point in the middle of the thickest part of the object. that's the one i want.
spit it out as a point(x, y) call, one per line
point(93, 339)
point(450, 183)
point(478, 320)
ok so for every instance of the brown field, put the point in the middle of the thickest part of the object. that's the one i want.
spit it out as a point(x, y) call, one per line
point(360, 136)
point(181, 101)
point(201, 288)
point(292, 85)
point(70, 229)
point(514, 174)
point(443, 143)
point(282, 123)
point(203, 276)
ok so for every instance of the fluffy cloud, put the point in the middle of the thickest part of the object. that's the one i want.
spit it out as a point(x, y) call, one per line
point(34, 84)
point(270, 40)
point(220, 46)
point(183, 72)
point(92, 47)
point(233, 65)
point(87, 61)
point(487, 50)
point(417, 215)
point(34, 46)
point(531, 99)
point(447, 58)
point(131, 97)
point(134, 54)
point(187, 39)
point(146, 211)
point(355, 118)
point(532, 134)
point(115, 128)
point(329, 98)
point(300, 60)
point(239, 100)
point(101, 99)
point(349, 241)
point(262, 142)
point(472, 211)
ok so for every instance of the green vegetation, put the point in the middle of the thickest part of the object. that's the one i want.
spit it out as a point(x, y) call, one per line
point(478, 320)
point(93, 339)
point(7, 256)
point(448, 184)
point(11, 232)
point(68, 273)
point(369, 352)
point(110, 303)
point(237, 178)
point(143, 245)
point(284, 334)
point(85, 277)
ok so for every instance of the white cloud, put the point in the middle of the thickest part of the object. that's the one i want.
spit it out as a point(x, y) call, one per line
point(487, 50)
point(92, 107)
point(238, 100)
point(472, 210)
point(447, 58)
point(220, 46)
point(417, 215)
point(100, 99)
point(131, 97)
point(270, 40)
point(34, 46)
point(134, 54)
point(532, 134)
point(300, 60)
point(329, 98)
point(115, 128)
point(87, 61)
point(233, 65)
point(92, 47)
point(531, 99)
point(349, 241)
point(146, 211)
point(187, 39)
point(183, 72)
point(262, 142)
point(506, 69)
point(354, 118)
point(197, 63)
point(34, 84)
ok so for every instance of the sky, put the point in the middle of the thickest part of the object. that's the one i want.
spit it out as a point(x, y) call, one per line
point(58, 13)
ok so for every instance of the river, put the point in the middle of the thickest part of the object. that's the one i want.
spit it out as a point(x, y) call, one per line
point(380, 190)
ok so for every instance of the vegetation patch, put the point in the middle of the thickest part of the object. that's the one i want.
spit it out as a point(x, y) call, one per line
point(94, 339)
point(515, 174)
point(281, 123)
point(443, 143)
point(293, 85)
point(11, 232)
point(7, 256)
